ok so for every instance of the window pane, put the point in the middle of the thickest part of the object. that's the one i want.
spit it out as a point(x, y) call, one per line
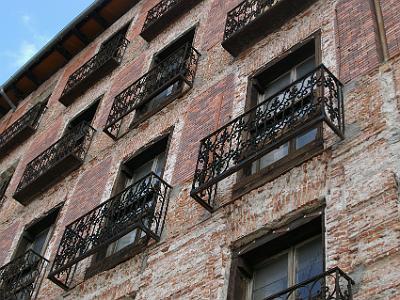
point(159, 164)
point(271, 278)
point(305, 67)
point(124, 241)
point(274, 156)
point(254, 167)
point(141, 172)
point(275, 86)
point(309, 263)
point(40, 239)
point(306, 138)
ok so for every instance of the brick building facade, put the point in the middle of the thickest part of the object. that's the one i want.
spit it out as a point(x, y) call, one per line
point(293, 194)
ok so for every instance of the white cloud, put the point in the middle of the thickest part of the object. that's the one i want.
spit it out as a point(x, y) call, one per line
point(26, 51)
point(28, 47)
point(26, 19)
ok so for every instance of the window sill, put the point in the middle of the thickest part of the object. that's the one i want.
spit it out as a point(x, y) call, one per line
point(245, 184)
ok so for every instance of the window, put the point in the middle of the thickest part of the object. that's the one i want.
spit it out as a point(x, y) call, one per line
point(23, 278)
point(134, 173)
point(36, 236)
point(288, 268)
point(85, 116)
point(110, 42)
point(281, 87)
point(263, 269)
point(286, 77)
point(166, 76)
point(151, 160)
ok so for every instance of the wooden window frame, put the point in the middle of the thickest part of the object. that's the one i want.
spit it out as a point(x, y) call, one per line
point(96, 103)
point(178, 92)
point(49, 220)
point(246, 181)
point(100, 262)
point(245, 257)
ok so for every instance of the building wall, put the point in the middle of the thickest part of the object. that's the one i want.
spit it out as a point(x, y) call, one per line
point(356, 179)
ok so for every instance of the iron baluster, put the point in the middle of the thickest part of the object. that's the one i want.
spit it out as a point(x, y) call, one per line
point(140, 206)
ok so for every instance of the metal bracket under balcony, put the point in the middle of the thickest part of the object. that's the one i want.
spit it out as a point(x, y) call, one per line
point(21, 129)
point(141, 207)
point(253, 20)
point(101, 64)
point(313, 99)
point(333, 284)
point(180, 66)
point(64, 156)
point(164, 13)
point(21, 278)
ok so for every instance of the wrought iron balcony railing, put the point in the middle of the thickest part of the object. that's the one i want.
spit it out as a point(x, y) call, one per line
point(20, 279)
point(22, 128)
point(180, 66)
point(64, 156)
point(313, 99)
point(254, 19)
point(333, 284)
point(141, 206)
point(165, 12)
point(107, 59)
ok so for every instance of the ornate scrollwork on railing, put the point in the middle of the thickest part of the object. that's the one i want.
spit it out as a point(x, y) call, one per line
point(142, 206)
point(76, 142)
point(158, 11)
point(163, 13)
point(21, 278)
point(245, 13)
point(312, 99)
point(114, 50)
point(179, 66)
point(331, 285)
point(29, 119)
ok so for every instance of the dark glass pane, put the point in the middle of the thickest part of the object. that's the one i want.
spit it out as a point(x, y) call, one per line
point(306, 138)
point(40, 240)
point(309, 263)
point(271, 278)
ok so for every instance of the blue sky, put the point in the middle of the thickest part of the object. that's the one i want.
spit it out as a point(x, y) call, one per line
point(27, 25)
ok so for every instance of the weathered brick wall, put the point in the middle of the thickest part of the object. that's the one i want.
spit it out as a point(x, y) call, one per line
point(357, 178)
point(391, 19)
point(357, 38)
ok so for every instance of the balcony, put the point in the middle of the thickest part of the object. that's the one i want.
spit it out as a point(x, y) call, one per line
point(333, 284)
point(141, 206)
point(180, 66)
point(21, 129)
point(21, 278)
point(64, 156)
point(164, 13)
point(313, 99)
point(252, 20)
point(101, 64)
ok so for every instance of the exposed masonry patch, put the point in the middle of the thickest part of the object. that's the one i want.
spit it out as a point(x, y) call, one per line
point(390, 96)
